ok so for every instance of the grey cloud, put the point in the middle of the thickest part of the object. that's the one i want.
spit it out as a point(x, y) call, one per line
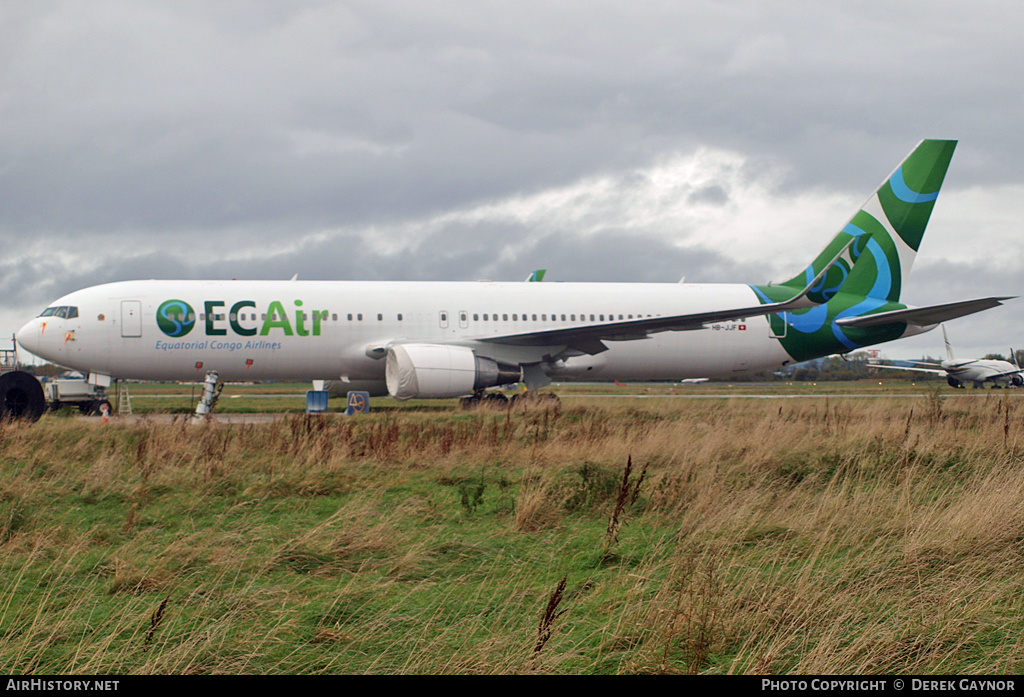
point(211, 139)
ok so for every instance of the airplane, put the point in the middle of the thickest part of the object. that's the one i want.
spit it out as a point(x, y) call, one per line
point(456, 339)
point(960, 371)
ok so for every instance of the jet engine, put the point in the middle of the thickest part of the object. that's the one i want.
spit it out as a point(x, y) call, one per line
point(953, 382)
point(434, 371)
point(1017, 381)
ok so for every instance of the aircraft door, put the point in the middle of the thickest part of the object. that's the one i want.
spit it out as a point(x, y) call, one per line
point(131, 318)
point(442, 319)
point(463, 319)
point(777, 325)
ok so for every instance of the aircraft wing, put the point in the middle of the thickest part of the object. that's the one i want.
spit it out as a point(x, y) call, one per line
point(933, 371)
point(924, 316)
point(589, 338)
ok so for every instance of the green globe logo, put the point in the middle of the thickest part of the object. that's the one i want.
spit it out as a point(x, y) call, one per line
point(175, 318)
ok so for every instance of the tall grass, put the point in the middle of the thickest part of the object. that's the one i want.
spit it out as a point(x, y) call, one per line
point(804, 536)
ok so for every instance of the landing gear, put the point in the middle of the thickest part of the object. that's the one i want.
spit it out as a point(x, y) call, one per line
point(211, 393)
point(21, 396)
point(540, 399)
point(493, 399)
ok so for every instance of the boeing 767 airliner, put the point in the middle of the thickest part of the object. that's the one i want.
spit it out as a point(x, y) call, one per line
point(437, 340)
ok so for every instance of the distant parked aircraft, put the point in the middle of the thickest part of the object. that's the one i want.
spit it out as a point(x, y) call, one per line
point(960, 371)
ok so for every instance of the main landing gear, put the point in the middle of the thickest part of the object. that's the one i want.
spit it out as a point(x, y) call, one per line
point(523, 399)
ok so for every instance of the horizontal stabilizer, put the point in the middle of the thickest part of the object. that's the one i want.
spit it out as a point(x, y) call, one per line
point(924, 316)
point(933, 371)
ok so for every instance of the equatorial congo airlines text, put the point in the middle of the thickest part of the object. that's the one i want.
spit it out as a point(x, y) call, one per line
point(217, 345)
point(915, 685)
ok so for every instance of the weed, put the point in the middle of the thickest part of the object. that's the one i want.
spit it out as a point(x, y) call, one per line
point(551, 613)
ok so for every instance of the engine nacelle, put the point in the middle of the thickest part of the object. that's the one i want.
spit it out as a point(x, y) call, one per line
point(437, 371)
point(953, 382)
point(1017, 380)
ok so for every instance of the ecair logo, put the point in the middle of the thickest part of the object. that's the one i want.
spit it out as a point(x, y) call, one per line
point(176, 318)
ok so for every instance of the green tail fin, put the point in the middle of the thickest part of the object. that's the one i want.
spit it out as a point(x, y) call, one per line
point(889, 226)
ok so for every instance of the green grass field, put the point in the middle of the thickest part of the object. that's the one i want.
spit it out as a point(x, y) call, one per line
point(825, 536)
point(277, 398)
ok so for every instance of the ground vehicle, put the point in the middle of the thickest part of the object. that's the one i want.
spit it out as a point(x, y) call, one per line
point(72, 388)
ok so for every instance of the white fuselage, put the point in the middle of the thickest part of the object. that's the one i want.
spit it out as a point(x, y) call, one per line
point(330, 330)
point(980, 370)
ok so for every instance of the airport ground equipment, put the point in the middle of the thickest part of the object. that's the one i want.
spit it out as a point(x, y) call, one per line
point(358, 403)
point(316, 401)
point(21, 395)
point(76, 391)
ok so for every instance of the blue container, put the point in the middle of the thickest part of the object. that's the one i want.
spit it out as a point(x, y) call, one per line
point(316, 401)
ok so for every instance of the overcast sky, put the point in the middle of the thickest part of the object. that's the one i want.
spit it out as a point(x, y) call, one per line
point(461, 140)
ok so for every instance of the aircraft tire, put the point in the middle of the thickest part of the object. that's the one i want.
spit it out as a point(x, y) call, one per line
point(541, 399)
point(21, 397)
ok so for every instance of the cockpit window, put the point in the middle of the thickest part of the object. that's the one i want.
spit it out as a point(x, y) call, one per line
point(62, 311)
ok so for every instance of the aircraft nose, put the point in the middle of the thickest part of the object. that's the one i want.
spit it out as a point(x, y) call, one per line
point(28, 336)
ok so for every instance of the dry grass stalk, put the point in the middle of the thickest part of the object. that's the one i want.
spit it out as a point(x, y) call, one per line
point(551, 613)
point(628, 493)
point(155, 620)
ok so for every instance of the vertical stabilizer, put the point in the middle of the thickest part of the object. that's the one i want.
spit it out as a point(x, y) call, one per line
point(889, 227)
point(949, 347)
